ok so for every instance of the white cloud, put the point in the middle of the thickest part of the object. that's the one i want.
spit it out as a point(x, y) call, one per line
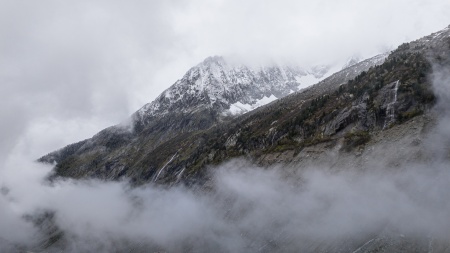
point(306, 31)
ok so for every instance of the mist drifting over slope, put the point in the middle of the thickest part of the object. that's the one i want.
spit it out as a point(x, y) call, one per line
point(246, 208)
point(70, 69)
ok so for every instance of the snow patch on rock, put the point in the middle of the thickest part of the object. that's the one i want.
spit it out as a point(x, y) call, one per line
point(240, 108)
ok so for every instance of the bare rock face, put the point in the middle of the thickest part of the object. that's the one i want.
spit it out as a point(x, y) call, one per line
point(345, 117)
point(386, 100)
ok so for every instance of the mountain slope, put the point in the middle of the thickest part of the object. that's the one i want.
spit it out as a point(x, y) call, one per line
point(189, 107)
point(347, 114)
point(184, 129)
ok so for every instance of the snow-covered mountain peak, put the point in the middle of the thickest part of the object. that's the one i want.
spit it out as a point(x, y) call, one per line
point(352, 61)
point(216, 84)
point(231, 89)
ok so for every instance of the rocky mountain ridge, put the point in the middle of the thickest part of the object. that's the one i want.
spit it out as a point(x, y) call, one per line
point(350, 104)
point(216, 84)
point(160, 123)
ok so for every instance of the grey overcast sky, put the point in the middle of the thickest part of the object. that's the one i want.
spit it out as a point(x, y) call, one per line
point(70, 68)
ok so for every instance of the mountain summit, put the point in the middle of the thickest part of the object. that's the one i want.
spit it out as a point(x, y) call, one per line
point(228, 89)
